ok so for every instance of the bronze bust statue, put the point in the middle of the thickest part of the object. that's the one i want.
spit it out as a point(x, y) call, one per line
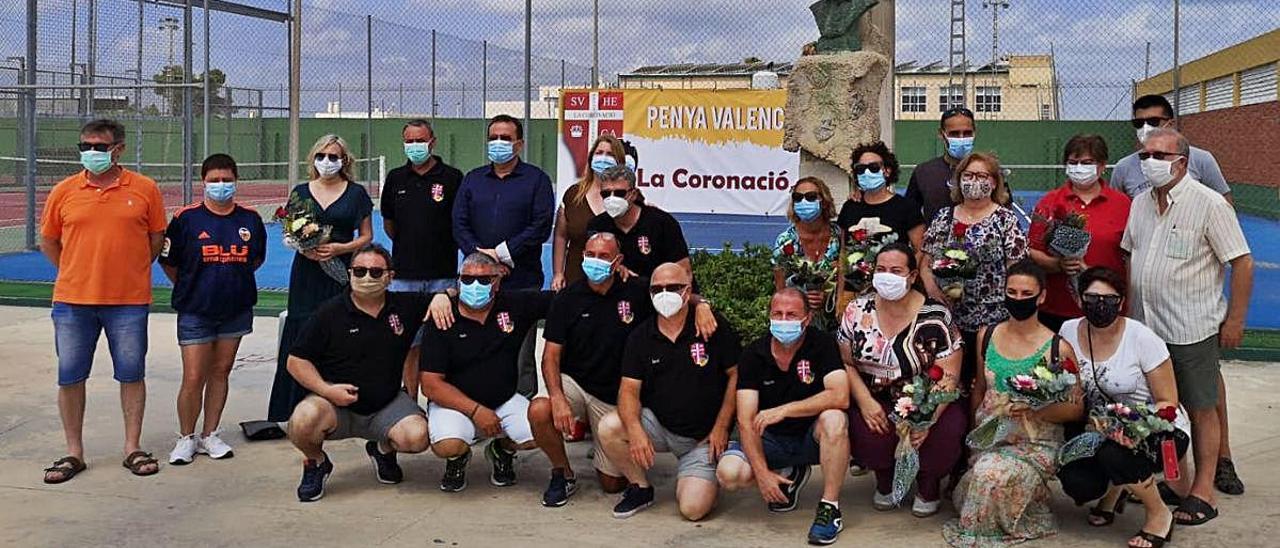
point(838, 24)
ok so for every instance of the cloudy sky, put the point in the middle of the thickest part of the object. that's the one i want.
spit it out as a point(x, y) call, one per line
point(1100, 46)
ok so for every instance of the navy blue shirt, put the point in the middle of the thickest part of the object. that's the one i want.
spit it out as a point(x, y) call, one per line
point(215, 256)
point(516, 209)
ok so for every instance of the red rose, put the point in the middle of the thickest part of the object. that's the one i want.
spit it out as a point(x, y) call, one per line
point(789, 249)
point(281, 212)
point(1069, 365)
point(959, 229)
point(860, 235)
point(935, 373)
point(1168, 413)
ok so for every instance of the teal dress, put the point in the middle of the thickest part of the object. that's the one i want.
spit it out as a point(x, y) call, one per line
point(309, 287)
point(1004, 497)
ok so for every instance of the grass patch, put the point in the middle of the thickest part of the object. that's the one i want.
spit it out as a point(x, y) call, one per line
point(270, 303)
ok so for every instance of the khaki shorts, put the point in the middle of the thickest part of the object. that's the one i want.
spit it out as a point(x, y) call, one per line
point(586, 407)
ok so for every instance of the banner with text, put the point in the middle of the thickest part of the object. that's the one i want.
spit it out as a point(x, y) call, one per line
point(700, 151)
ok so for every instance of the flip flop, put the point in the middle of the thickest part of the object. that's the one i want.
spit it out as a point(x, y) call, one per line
point(1195, 506)
point(67, 472)
point(137, 460)
point(1154, 540)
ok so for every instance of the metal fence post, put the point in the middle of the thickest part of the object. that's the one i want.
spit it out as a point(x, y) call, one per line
point(295, 82)
point(484, 79)
point(528, 68)
point(368, 168)
point(204, 140)
point(137, 96)
point(433, 74)
point(188, 148)
point(1177, 68)
point(92, 67)
point(30, 126)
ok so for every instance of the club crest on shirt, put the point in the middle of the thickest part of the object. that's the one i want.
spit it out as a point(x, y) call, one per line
point(698, 352)
point(504, 322)
point(643, 243)
point(437, 192)
point(397, 326)
point(624, 312)
point(804, 371)
point(245, 234)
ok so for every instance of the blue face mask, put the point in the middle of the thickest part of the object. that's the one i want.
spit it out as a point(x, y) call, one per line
point(786, 331)
point(869, 181)
point(417, 152)
point(96, 162)
point(220, 192)
point(597, 270)
point(475, 295)
point(959, 147)
point(807, 210)
point(601, 162)
point(501, 152)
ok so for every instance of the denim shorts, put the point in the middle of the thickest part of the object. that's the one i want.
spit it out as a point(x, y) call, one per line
point(422, 286)
point(75, 333)
point(781, 451)
point(197, 329)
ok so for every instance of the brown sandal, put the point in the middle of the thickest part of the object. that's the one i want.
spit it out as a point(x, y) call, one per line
point(137, 460)
point(67, 472)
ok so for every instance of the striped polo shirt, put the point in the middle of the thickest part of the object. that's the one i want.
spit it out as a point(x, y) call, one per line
point(1177, 263)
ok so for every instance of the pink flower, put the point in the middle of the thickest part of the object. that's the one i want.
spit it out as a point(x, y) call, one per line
point(1024, 383)
point(904, 406)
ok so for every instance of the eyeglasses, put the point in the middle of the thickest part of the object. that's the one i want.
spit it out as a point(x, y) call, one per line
point(669, 288)
point(99, 147)
point(957, 111)
point(615, 193)
point(468, 280)
point(1159, 155)
point(374, 272)
point(874, 167)
point(330, 157)
point(1099, 298)
point(971, 176)
point(811, 196)
point(1153, 121)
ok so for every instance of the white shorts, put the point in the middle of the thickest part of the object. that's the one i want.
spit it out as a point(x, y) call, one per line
point(446, 424)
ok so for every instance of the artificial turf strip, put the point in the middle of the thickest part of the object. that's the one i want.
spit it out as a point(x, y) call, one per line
point(270, 303)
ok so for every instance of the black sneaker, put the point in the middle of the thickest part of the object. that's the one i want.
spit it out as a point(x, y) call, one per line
point(826, 525)
point(504, 471)
point(559, 490)
point(455, 473)
point(311, 488)
point(385, 467)
point(799, 476)
point(634, 499)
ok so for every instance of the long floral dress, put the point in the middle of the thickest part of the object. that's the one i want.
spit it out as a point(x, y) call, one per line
point(1004, 497)
point(787, 252)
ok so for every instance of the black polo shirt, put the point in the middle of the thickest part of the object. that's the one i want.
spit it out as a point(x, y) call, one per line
point(421, 206)
point(593, 330)
point(348, 346)
point(481, 359)
point(817, 357)
point(656, 238)
point(683, 381)
point(930, 187)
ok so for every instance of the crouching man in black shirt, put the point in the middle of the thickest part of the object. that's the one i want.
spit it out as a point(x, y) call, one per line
point(469, 371)
point(677, 396)
point(792, 397)
point(350, 356)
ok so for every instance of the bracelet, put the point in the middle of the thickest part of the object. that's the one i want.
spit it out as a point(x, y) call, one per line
point(472, 415)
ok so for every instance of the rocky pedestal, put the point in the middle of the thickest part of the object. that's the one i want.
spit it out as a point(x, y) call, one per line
point(833, 105)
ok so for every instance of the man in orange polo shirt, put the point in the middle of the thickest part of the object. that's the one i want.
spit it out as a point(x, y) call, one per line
point(101, 229)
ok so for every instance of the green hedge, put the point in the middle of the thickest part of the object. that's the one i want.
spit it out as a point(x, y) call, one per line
point(740, 284)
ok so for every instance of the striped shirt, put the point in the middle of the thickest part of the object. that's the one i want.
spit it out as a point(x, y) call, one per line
point(1177, 262)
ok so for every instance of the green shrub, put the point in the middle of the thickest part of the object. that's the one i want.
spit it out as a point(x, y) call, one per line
point(739, 284)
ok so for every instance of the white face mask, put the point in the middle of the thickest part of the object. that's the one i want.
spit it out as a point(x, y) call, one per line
point(327, 168)
point(1158, 172)
point(889, 286)
point(1082, 175)
point(667, 303)
point(1144, 131)
point(616, 206)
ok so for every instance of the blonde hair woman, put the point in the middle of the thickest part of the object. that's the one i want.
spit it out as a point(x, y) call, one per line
point(581, 203)
point(338, 202)
point(813, 236)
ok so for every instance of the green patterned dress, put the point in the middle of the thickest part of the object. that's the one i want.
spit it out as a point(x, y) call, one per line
point(1004, 497)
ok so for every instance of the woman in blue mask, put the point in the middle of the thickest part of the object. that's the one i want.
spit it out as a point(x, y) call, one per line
point(806, 255)
point(581, 203)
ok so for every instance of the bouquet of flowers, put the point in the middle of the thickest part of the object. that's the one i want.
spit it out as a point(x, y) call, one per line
point(1129, 426)
point(956, 265)
point(913, 411)
point(1049, 382)
point(303, 233)
point(862, 243)
point(1066, 236)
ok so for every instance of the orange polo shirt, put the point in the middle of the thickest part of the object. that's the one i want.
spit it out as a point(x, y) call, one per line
point(106, 249)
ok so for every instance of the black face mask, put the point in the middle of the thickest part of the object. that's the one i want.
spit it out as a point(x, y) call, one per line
point(1101, 313)
point(1021, 309)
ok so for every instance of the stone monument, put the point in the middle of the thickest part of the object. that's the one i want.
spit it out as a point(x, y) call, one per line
point(833, 94)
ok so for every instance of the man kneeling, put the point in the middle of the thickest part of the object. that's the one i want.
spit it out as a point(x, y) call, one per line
point(351, 357)
point(792, 396)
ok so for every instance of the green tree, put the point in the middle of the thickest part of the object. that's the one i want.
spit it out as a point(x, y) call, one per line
point(219, 97)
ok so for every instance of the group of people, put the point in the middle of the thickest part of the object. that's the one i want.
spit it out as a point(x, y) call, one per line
point(634, 355)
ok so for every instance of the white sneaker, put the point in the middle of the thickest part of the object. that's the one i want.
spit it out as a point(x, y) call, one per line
point(185, 450)
point(883, 503)
point(922, 509)
point(213, 446)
